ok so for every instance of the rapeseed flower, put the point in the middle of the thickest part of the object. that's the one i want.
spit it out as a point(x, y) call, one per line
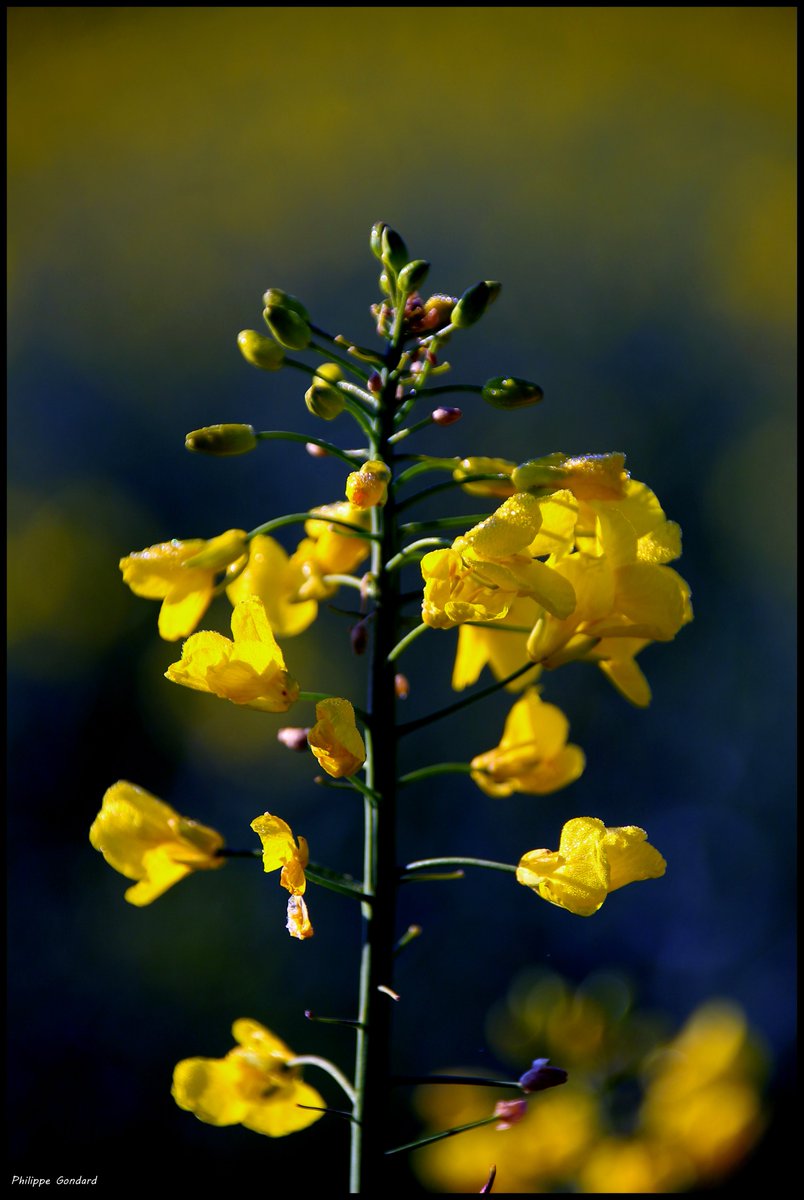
point(533, 755)
point(248, 670)
point(182, 575)
point(335, 739)
point(253, 1085)
point(280, 850)
point(368, 487)
point(328, 549)
point(590, 862)
point(145, 839)
point(271, 575)
point(480, 576)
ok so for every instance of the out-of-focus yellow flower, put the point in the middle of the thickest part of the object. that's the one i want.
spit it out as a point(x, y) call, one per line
point(249, 670)
point(270, 575)
point(547, 1144)
point(182, 576)
point(335, 739)
point(145, 839)
point(368, 487)
point(281, 850)
point(328, 549)
point(633, 1165)
point(701, 1098)
point(533, 755)
point(486, 466)
point(252, 1086)
point(481, 575)
point(591, 861)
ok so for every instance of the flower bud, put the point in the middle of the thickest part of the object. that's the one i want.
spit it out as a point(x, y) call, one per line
point(541, 1076)
point(412, 276)
point(394, 254)
point(510, 1112)
point(290, 330)
point(368, 487)
point(358, 636)
point(402, 686)
point(222, 439)
point(446, 416)
point(259, 350)
point(322, 399)
point(374, 383)
point(293, 737)
point(511, 393)
point(220, 551)
point(277, 298)
point(437, 312)
point(316, 451)
point(474, 302)
point(375, 240)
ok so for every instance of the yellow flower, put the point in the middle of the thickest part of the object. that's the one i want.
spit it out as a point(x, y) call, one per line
point(591, 861)
point(145, 839)
point(281, 850)
point(182, 576)
point(249, 670)
point(533, 755)
point(623, 587)
point(270, 575)
point(252, 1086)
point(589, 476)
point(335, 740)
point(481, 575)
point(368, 487)
point(328, 549)
point(503, 650)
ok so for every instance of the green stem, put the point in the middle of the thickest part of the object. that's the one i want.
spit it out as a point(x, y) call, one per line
point(489, 864)
point(446, 768)
point(459, 704)
point(313, 1060)
point(372, 1061)
point(437, 1137)
point(335, 883)
point(295, 518)
point(450, 483)
point(404, 642)
point(427, 464)
point(399, 559)
point(349, 456)
point(444, 523)
point(345, 362)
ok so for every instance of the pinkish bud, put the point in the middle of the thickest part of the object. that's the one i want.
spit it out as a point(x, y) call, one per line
point(446, 416)
point(510, 1112)
point(293, 737)
point(401, 686)
point(316, 451)
point(374, 382)
point(541, 1076)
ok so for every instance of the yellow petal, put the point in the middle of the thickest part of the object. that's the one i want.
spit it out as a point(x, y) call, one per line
point(631, 857)
point(486, 466)
point(577, 883)
point(200, 654)
point(161, 872)
point(280, 1113)
point(150, 573)
point(508, 530)
point(654, 599)
point(557, 530)
point(335, 740)
point(270, 576)
point(209, 1088)
point(250, 624)
point(183, 607)
point(542, 728)
point(278, 844)
point(257, 1040)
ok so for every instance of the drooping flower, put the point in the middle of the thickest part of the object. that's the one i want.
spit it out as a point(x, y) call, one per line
point(335, 739)
point(328, 549)
point(480, 576)
point(533, 755)
point(280, 850)
point(145, 839)
point(253, 1085)
point(249, 670)
point(182, 576)
point(590, 862)
point(270, 575)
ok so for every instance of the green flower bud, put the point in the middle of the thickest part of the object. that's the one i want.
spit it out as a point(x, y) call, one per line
point(276, 298)
point(222, 439)
point(259, 350)
point(412, 276)
point(511, 393)
point(376, 238)
point(322, 399)
point(394, 251)
point(289, 328)
point(547, 472)
point(474, 302)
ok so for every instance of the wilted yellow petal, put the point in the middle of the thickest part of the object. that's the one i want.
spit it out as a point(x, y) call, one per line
point(335, 739)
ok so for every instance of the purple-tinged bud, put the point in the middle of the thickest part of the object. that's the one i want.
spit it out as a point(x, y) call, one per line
point(316, 451)
point(402, 686)
point(510, 1112)
point(374, 382)
point(358, 636)
point(489, 1184)
point(541, 1076)
point(446, 416)
point(293, 737)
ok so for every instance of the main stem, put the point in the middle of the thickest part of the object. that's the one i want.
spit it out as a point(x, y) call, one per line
point(372, 1066)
